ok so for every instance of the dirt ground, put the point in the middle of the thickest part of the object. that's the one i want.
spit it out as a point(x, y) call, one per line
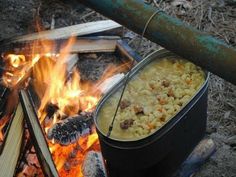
point(213, 16)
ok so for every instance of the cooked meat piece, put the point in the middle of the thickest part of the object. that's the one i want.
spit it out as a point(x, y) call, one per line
point(126, 124)
point(124, 104)
point(163, 118)
point(166, 83)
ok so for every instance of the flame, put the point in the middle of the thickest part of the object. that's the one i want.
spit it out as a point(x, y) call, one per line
point(3, 122)
point(52, 84)
point(69, 164)
point(17, 69)
point(64, 89)
point(16, 60)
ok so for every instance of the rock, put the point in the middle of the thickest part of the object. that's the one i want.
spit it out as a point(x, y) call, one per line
point(93, 165)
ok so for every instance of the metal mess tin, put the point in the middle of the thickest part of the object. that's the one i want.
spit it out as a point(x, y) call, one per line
point(167, 147)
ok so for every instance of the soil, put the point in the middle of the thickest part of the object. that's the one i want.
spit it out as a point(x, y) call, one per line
point(213, 16)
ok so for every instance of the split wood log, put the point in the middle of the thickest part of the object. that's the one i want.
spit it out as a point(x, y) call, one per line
point(94, 45)
point(66, 32)
point(93, 165)
point(11, 148)
point(37, 135)
point(82, 45)
point(71, 62)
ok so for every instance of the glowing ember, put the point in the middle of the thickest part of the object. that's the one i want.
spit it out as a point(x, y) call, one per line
point(17, 68)
point(16, 60)
point(70, 158)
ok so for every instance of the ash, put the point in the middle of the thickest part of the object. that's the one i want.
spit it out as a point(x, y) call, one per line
point(92, 66)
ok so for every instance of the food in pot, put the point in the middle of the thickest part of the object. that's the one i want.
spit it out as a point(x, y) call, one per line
point(152, 97)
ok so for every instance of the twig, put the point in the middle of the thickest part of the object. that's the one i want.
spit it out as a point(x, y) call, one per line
point(201, 17)
point(209, 15)
point(87, 15)
point(52, 22)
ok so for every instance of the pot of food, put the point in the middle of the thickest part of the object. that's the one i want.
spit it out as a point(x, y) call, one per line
point(161, 117)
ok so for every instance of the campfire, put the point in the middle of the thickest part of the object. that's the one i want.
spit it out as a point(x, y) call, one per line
point(50, 81)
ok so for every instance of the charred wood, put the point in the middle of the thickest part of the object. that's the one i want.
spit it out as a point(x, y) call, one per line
point(3, 99)
point(71, 129)
point(92, 67)
point(51, 109)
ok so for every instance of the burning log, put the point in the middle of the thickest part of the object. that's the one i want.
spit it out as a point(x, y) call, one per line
point(37, 135)
point(93, 165)
point(11, 148)
point(71, 129)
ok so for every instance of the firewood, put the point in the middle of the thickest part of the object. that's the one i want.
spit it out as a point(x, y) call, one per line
point(93, 165)
point(37, 135)
point(69, 130)
point(3, 100)
point(71, 61)
point(98, 44)
point(94, 45)
point(11, 149)
point(66, 32)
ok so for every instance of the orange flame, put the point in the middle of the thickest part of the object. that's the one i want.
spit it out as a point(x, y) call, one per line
point(17, 68)
point(69, 94)
point(16, 60)
point(54, 84)
point(69, 159)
